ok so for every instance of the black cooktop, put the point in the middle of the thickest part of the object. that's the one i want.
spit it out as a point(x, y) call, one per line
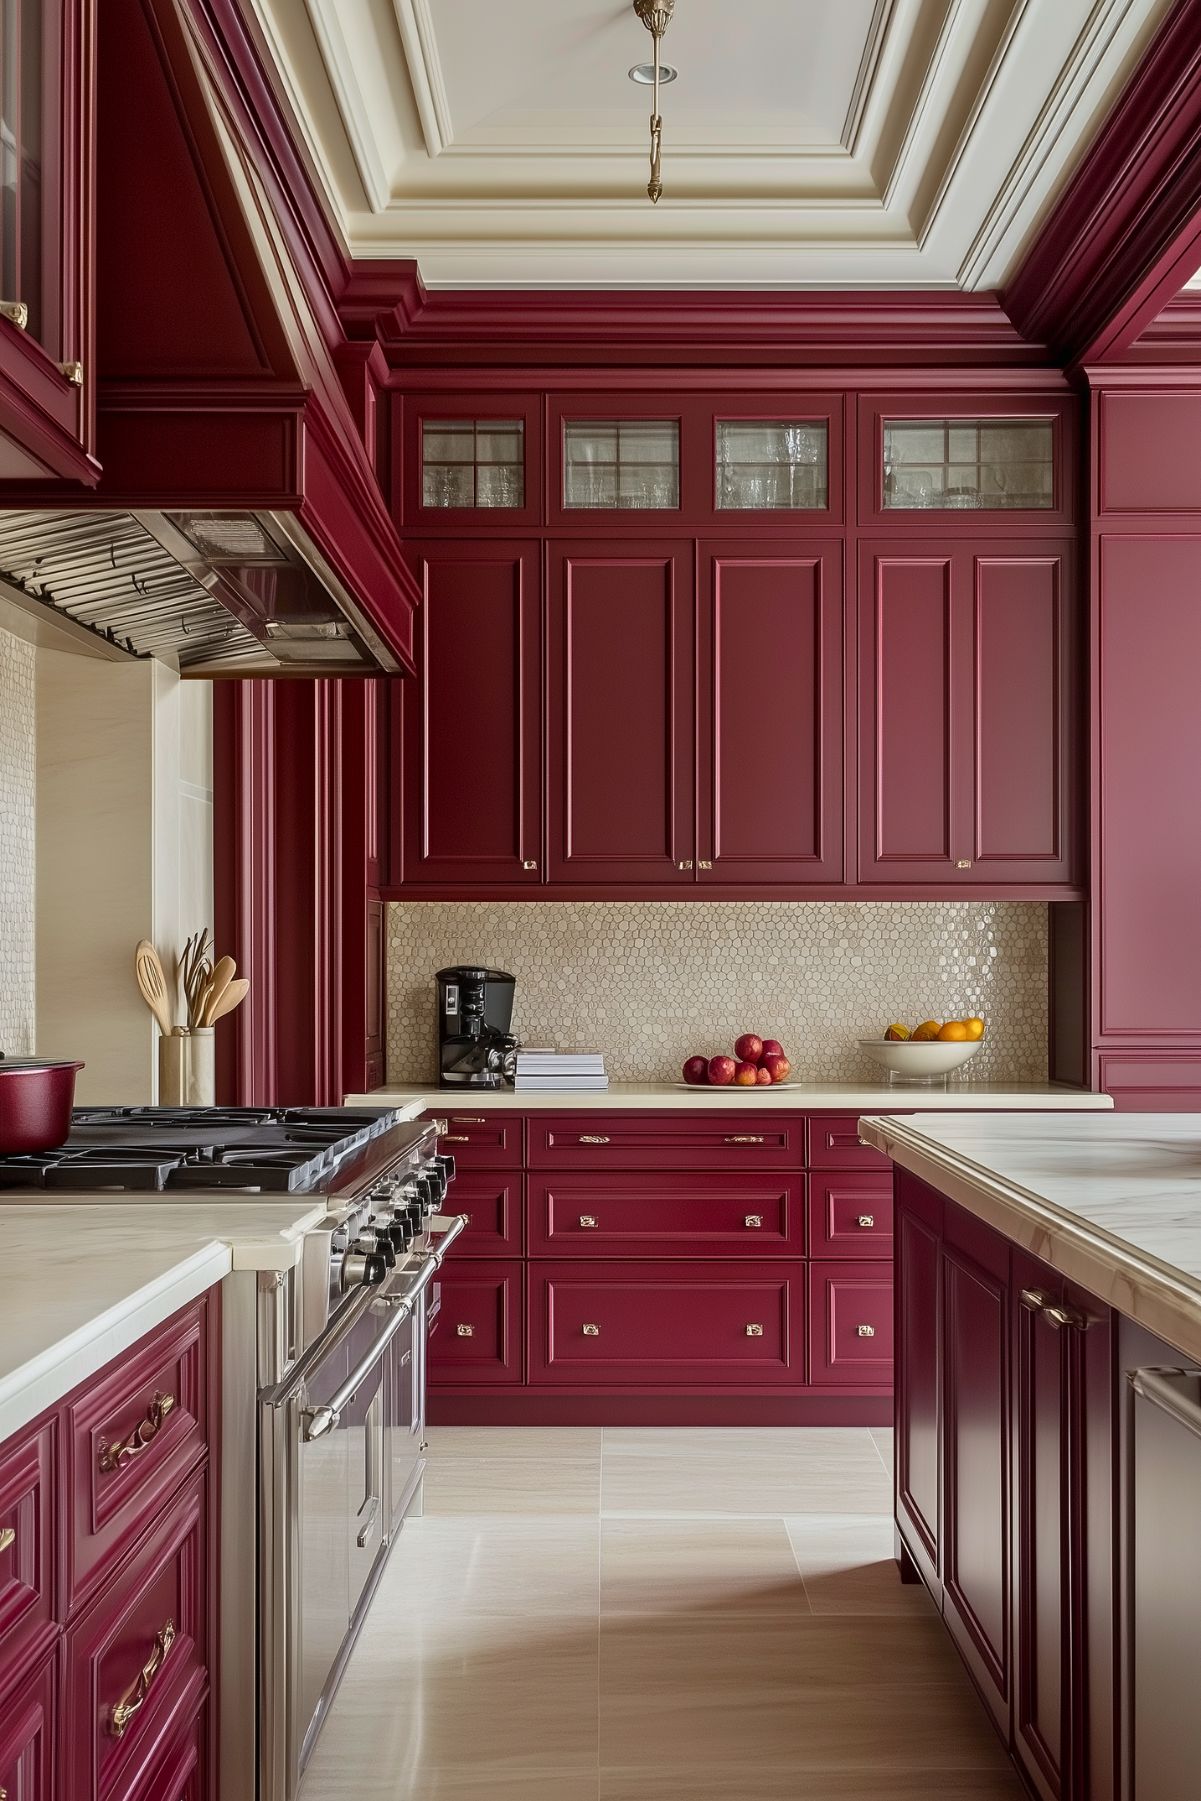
point(282, 1149)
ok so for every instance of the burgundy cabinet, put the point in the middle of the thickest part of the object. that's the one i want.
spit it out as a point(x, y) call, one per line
point(965, 459)
point(651, 1215)
point(850, 1215)
point(918, 1405)
point(30, 1480)
point(667, 1141)
point(491, 1140)
point(467, 461)
point(472, 733)
point(480, 1336)
point(850, 1324)
point(771, 659)
point(967, 713)
point(620, 712)
point(834, 1143)
point(491, 1203)
point(29, 1719)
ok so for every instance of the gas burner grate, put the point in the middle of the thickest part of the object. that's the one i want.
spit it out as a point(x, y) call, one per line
point(248, 1170)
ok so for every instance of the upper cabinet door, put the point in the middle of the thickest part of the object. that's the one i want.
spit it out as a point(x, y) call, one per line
point(47, 149)
point(967, 708)
point(621, 625)
point(771, 667)
point(641, 462)
point(470, 461)
point(472, 719)
point(782, 464)
point(925, 460)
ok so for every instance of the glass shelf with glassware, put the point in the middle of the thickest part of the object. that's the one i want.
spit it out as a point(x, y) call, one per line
point(772, 465)
point(473, 463)
point(617, 464)
point(998, 464)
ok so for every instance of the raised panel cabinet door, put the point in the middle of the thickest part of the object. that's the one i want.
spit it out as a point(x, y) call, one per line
point(770, 766)
point(706, 1215)
point(976, 1524)
point(621, 656)
point(473, 734)
point(917, 1407)
point(1024, 712)
point(29, 1736)
point(480, 1337)
point(30, 1485)
point(915, 774)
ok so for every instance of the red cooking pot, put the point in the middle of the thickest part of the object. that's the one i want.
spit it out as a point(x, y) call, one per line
point(36, 1098)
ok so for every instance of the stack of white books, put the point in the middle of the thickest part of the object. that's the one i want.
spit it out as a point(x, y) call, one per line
point(575, 1070)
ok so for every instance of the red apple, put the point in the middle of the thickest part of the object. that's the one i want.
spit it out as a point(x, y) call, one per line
point(778, 1068)
point(771, 1048)
point(763, 1077)
point(696, 1070)
point(721, 1071)
point(749, 1048)
point(746, 1074)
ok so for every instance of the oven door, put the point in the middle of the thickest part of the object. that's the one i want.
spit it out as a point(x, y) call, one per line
point(403, 1417)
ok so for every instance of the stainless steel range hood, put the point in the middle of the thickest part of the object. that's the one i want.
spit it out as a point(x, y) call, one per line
point(217, 593)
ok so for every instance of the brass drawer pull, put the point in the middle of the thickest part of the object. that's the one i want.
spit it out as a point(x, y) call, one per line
point(686, 864)
point(867, 1220)
point(746, 1138)
point(114, 1457)
point(754, 1331)
point(753, 1219)
point(963, 863)
point(468, 1119)
point(465, 1331)
point(528, 863)
point(17, 313)
point(705, 863)
point(1033, 1299)
point(591, 1331)
point(1065, 1316)
point(593, 1138)
point(456, 1138)
point(588, 1221)
point(135, 1698)
point(865, 1331)
point(8, 1538)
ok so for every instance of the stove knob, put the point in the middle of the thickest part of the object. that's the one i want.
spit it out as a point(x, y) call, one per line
point(374, 1239)
point(363, 1269)
point(431, 1191)
point(447, 1166)
point(400, 1232)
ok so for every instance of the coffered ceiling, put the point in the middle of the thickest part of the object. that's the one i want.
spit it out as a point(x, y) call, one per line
point(807, 143)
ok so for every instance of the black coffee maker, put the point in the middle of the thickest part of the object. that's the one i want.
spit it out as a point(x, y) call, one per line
point(475, 1046)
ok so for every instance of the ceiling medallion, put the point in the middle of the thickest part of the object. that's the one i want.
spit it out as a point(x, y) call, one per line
point(656, 16)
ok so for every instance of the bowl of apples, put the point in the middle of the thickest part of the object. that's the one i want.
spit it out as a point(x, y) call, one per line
point(754, 1063)
point(926, 1053)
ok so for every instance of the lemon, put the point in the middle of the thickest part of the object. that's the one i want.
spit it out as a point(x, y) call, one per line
point(975, 1026)
point(954, 1032)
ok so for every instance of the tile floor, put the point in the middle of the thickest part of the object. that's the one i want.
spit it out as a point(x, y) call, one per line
point(626, 1614)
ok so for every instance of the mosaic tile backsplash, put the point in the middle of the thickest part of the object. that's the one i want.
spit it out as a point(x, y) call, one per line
point(649, 982)
point(17, 783)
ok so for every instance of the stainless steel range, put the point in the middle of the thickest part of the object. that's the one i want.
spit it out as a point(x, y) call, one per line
point(323, 1404)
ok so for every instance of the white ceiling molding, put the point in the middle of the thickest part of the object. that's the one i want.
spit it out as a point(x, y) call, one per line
point(881, 143)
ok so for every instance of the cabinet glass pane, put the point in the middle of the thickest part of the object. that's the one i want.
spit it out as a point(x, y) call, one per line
point(975, 463)
point(472, 463)
point(21, 199)
point(772, 463)
point(621, 463)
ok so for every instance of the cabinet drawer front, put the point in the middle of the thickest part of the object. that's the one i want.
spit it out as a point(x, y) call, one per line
point(481, 1140)
point(627, 1215)
point(28, 1597)
point(136, 1657)
point(132, 1436)
point(492, 1205)
point(834, 1144)
point(666, 1324)
point(480, 1334)
point(28, 1737)
point(747, 1140)
point(850, 1329)
point(851, 1215)
point(179, 1771)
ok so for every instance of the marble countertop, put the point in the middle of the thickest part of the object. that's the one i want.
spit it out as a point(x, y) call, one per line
point(81, 1281)
point(805, 1097)
point(1112, 1201)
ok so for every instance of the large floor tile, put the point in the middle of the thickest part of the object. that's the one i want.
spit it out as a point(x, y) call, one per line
point(675, 1567)
point(730, 1480)
point(512, 1485)
point(689, 1782)
point(539, 1442)
point(827, 1442)
point(511, 1564)
point(847, 1563)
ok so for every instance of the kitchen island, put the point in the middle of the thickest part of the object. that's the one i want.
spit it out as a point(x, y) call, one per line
point(1048, 1431)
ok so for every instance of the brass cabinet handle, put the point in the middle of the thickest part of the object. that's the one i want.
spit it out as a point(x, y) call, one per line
point(588, 1221)
point(705, 863)
point(591, 1331)
point(528, 863)
point(753, 1219)
point(465, 1331)
point(456, 1137)
point(1066, 1316)
point(73, 373)
point(963, 863)
point(754, 1331)
point(468, 1119)
point(114, 1457)
point(1033, 1299)
point(865, 1331)
point(867, 1220)
point(17, 313)
point(746, 1138)
point(135, 1697)
point(593, 1138)
point(8, 1538)
point(686, 864)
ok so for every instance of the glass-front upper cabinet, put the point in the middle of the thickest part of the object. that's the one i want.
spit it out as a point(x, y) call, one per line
point(471, 461)
point(771, 465)
point(1005, 458)
point(615, 464)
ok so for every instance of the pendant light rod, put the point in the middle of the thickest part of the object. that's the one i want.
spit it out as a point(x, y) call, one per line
point(656, 16)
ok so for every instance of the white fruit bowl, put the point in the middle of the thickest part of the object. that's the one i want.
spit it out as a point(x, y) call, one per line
point(929, 1061)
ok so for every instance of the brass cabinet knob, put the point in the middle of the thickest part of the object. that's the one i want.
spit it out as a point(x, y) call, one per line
point(588, 1221)
point(867, 1220)
point(73, 373)
point(528, 863)
point(591, 1331)
point(753, 1219)
point(8, 1538)
point(686, 864)
point(963, 863)
point(465, 1331)
point(705, 863)
point(865, 1331)
point(754, 1331)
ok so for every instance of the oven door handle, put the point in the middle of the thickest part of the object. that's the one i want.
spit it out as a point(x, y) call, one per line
point(456, 1224)
point(317, 1421)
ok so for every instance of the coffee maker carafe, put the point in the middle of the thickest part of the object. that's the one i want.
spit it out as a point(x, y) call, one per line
point(475, 1046)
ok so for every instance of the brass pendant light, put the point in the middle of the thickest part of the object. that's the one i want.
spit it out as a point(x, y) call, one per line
point(656, 16)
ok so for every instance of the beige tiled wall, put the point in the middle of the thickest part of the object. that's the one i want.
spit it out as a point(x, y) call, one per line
point(650, 982)
point(18, 781)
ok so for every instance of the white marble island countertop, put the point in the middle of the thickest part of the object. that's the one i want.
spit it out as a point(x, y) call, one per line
point(802, 1097)
point(1112, 1201)
point(82, 1281)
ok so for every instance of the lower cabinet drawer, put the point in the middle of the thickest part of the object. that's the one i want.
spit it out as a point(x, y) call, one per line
point(132, 1435)
point(492, 1203)
point(750, 1139)
point(28, 1737)
point(178, 1772)
point(627, 1215)
point(850, 1324)
point(490, 1140)
point(851, 1215)
point(136, 1658)
point(481, 1324)
point(667, 1324)
point(834, 1143)
point(28, 1588)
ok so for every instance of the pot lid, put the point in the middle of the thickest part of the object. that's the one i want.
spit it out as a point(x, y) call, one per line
point(38, 1063)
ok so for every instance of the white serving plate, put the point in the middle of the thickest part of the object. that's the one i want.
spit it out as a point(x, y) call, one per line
point(923, 1062)
point(737, 1087)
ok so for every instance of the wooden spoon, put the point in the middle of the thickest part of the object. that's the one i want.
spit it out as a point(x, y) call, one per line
point(153, 984)
point(224, 971)
point(233, 997)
